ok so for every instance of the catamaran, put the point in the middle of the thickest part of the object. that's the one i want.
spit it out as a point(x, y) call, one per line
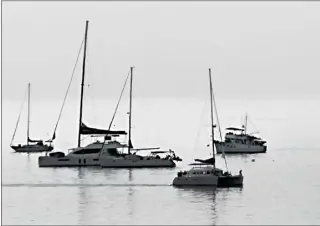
point(32, 146)
point(238, 141)
point(204, 172)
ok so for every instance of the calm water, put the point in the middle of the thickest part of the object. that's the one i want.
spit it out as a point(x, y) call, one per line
point(280, 187)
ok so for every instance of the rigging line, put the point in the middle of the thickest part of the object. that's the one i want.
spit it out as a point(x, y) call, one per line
point(216, 110)
point(89, 84)
point(198, 133)
point(252, 124)
point(114, 114)
point(64, 100)
point(22, 104)
point(85, 137)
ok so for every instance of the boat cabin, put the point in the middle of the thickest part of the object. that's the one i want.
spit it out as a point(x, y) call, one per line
point(201, 169)
point(242, 138)
point(109, 148)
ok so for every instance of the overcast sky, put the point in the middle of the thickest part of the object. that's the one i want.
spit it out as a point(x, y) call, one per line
point(256, 50)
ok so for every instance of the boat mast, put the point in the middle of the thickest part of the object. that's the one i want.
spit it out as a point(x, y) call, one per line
point(82, 82)
point(28, 125)
point(245, 124)
point(130, 110)
point(212, 125)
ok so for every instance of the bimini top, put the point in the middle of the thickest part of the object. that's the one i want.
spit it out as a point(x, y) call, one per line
point(234, 129)
point(85, 130)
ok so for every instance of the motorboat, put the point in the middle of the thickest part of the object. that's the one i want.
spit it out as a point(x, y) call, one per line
point(238, 141)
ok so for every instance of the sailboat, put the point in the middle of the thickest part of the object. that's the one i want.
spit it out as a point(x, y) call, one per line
point(88, 155)
point(238, 141)
point(204, 172)
point(108, 150)
point(131, 159)
point(32, 146)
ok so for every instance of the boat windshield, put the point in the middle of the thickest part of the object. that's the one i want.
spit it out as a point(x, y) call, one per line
point(113, 152)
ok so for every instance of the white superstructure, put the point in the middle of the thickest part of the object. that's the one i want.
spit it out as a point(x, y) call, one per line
point(83, 156)
point(200, 175)
point(237, 141)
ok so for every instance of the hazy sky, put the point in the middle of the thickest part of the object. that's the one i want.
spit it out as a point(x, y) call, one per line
point(256, 50)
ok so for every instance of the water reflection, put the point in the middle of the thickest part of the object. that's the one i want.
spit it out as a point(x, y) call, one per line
point(207, 204)
point(214, 199)
point(111, 174)
point(82, 201)
point(130, 200)
point(203, 194)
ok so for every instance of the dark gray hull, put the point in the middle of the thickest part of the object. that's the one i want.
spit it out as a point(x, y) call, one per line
point(230, 181)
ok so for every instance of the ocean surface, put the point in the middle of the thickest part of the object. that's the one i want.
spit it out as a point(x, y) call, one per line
point(265, 62)
point(280, 187)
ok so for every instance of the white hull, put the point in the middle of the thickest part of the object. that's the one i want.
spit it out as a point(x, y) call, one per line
point(32, 148)
point(72, 161)
point(68, 161)
point(205, 180)
point(239, 148)
point(78, 157)
point(91, 155)
point(129, 162)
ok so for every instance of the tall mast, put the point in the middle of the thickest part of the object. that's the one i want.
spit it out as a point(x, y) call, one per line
point(130, 111)
point(212, 125)
point(82, 82)
point(245, 124)
point(28, 125)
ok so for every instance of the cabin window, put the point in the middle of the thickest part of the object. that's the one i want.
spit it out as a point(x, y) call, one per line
point(239, 141)
point(113, 152)
point(87, 151)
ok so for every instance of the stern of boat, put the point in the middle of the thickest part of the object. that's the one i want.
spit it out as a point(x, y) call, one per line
point(230, 181)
